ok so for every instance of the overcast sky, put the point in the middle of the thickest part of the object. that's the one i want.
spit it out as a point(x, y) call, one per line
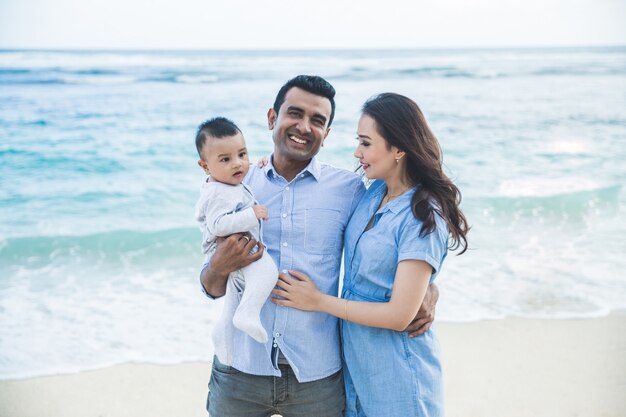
point(235, 24)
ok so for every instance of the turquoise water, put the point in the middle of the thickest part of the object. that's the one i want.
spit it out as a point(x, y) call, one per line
point(99, 254)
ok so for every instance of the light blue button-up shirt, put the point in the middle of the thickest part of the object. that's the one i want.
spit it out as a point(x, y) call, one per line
point(304, 232)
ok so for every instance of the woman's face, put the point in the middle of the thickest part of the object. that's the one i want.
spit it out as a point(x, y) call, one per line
point(377, 159)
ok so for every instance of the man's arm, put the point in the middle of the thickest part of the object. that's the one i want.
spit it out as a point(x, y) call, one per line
point(231, 254)
point(426, 314)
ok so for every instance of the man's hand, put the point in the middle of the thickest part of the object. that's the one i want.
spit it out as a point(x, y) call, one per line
point(232, 253)
point(426, 314)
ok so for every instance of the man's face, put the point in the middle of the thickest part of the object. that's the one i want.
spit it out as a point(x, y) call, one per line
point(300, 127)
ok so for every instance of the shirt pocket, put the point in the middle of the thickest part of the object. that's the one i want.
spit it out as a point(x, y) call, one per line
point(323, 231)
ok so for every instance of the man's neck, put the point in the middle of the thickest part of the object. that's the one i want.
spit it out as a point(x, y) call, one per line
point(288, 168)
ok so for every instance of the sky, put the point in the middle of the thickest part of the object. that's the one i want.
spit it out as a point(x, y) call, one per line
point(326, 24)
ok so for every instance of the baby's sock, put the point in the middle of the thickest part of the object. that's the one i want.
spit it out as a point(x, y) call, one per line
point(247, 320)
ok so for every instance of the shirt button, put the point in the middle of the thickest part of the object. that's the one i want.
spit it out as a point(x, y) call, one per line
point(275, 345)
point(284, 215)
point(287, 188)
point(277, 334)
point(284, 271)
point(284, 243)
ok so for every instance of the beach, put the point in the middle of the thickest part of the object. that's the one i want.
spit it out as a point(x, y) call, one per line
point(105, 251)
point(510, 367)
point(100, 251)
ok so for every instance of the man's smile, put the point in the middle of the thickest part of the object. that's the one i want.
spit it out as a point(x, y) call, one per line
point(298, 139)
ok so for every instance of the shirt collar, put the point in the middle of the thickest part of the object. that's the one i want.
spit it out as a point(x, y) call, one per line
point(397, 204)
point(314, 168)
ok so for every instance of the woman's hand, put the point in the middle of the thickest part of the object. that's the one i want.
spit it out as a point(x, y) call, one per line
point(299, 292)
point(263, 161)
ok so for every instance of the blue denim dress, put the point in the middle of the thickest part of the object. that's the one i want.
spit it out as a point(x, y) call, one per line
point(386, 372)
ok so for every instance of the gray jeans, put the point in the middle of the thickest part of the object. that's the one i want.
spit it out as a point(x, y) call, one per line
point(236, 394)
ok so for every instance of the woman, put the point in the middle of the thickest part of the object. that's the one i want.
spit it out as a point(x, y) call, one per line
point(395, 244)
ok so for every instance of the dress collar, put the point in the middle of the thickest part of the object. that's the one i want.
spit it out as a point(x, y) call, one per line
point(397, 204)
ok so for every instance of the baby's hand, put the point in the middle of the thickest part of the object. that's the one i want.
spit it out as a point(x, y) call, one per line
point(260, 211)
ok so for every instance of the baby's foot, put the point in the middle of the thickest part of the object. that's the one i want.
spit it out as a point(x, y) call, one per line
point(251, 325)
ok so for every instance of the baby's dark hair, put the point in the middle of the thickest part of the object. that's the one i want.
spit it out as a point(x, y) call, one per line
point(217, 127)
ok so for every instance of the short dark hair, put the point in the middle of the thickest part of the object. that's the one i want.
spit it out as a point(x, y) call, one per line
point(217, 127)
point(311, 83)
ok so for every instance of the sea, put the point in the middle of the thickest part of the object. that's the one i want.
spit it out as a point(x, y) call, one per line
point(99, 251)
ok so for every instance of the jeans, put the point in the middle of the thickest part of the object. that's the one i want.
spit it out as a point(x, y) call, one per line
point(236, 394)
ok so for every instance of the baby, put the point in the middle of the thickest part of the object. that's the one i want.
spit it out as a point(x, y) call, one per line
point(226, 206)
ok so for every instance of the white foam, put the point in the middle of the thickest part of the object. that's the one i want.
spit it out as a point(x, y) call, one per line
point(196, 79)
point(569, 146)
point(98, 79)
point(103, 60)
point(545, 187)
point(79, 325)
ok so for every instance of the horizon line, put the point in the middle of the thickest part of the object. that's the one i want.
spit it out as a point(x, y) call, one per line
point(308, 49)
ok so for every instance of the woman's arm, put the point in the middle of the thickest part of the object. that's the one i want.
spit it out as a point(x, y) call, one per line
point(426, 314)
point(409, 288)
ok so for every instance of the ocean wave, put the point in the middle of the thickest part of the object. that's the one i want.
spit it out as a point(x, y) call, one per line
point(183, 74)
point(15, 71)
point(93, 71)
point(364, 73)
point(112, 247)
point(196, 79)
point(84, 163)
point(96, 77)
point(548, 198)
point(71, 80)
point(579, 70)
point(98, 80)
point(554, 188)
point(445, 72)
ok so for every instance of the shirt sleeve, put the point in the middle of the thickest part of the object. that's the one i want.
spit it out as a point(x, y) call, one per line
point(431, 248)
point(205, 265)
point(222, 220)
point(359, 191)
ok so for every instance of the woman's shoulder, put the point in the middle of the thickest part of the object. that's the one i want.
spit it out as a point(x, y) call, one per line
point(412, 222)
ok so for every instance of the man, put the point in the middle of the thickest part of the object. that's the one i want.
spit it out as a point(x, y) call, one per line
point(298, 372)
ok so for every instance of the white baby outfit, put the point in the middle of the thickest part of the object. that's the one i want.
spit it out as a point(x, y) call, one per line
point(222, 210)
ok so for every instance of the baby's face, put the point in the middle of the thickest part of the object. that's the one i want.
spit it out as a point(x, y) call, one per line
point(226, 158)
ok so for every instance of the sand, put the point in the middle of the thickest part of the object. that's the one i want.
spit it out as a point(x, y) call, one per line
point(503, 368)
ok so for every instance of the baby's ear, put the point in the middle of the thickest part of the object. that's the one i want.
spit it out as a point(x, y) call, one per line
point(204, 166)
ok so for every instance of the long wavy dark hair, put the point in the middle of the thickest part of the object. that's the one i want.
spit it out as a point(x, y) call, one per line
point(400, 121)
